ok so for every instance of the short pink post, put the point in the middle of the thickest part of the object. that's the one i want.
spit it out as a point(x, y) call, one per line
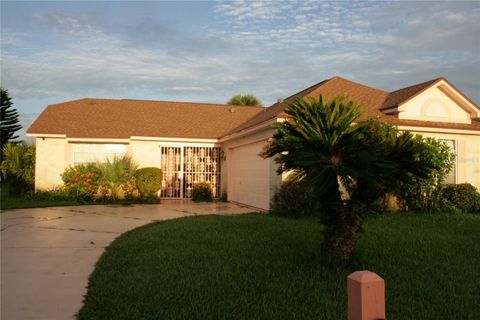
point(366, 296)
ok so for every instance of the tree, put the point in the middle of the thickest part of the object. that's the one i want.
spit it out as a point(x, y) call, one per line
point(9, 118)
point(349, 163)
point(18, 167)
point(245, 100)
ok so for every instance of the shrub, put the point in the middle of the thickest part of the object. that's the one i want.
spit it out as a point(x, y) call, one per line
point(54, 194)
point(294, 200)
point(130, 189)
point(18, 167)
point(115, 173)
point(82, 181)
point(464, 196)
point(202, 191)
point(18, 186)
point(149, 181)
point(425, 194)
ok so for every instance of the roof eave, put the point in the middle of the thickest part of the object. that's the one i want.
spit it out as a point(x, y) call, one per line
point(250, 130)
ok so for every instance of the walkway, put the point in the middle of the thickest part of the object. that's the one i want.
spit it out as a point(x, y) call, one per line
point(48, 253)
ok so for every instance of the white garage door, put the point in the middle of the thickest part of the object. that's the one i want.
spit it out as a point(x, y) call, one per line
point(250, 176)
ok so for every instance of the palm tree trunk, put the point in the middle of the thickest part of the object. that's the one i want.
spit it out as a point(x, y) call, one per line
point(341, 235)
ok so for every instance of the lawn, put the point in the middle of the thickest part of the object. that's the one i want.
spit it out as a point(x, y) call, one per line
point(264, 267)
point(9, 201)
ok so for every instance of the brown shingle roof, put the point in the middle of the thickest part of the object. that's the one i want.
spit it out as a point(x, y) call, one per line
point(108, 118)
point(397, 97)
point(373, 99)
point(361, 94)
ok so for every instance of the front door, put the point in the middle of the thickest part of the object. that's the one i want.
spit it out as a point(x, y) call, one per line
point(184, 166)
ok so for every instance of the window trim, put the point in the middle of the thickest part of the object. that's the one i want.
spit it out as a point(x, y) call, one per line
point(455, 150)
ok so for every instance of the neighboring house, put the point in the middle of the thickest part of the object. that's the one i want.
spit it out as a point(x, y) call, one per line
point(220, 144)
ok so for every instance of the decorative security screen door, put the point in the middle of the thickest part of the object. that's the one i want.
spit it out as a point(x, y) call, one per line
point(184, 166)
point(172, 172)
point(202, 164)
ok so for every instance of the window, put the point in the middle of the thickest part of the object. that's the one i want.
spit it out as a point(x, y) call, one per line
point(112, 151)
point(451, 177)
point(84, 153)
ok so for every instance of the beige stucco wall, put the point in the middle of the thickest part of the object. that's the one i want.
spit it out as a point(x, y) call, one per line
point(52, 157)
point(55, 154)
point(145, 153)
point(434, 105)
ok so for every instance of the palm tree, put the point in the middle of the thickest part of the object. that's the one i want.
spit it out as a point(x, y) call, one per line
point(113, 174)
point(347, 162)
point(18, 166)
point(245, 100)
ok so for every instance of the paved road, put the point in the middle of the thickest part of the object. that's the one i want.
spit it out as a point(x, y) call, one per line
point(47, 254)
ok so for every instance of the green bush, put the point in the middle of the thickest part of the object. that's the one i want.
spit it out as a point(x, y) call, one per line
point(82, 181)
point(202, 191)
point(425, 194)
point(115, 174)
point(294, 200)
point(18, 167)
point(54, 194)
point(18, 186)
point(130, 189)
point(464, 196)
point(149, 181)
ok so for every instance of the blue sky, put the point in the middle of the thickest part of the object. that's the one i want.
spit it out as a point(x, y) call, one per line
point(209, 51)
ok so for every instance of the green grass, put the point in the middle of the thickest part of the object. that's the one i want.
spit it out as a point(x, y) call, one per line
point(264, 267)
point(9, 201)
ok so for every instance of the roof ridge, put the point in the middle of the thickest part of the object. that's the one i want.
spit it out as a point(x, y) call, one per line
point(358, 84)
point(319, 84)
point(189, 102)
point(65, 102)
point(161, 101)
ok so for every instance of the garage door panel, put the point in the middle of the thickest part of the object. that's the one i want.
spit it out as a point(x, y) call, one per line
point(250, 176)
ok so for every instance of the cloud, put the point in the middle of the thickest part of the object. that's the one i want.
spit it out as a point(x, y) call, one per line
point(241, 11)
point(59, 21)
point(104, 65)
point(271, 49)
point(385, 44)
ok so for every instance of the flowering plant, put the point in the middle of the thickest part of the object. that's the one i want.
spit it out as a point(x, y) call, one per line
point(82, 181)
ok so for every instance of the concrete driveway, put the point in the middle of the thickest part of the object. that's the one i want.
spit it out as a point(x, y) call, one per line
point(48, 253)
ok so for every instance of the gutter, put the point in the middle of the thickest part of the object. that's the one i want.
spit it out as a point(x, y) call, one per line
point(253, 129)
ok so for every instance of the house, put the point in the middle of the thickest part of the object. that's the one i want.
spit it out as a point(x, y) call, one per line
point(220, 144)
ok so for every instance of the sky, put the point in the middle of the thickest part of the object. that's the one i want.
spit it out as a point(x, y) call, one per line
point(205, 51)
